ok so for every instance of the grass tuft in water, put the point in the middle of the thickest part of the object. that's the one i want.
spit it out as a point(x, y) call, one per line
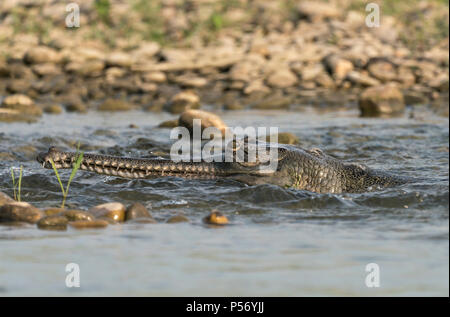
point(75, 168)
point(19, 183)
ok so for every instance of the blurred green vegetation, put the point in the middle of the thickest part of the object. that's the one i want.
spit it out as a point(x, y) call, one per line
point(426, 22)
point(103, 10)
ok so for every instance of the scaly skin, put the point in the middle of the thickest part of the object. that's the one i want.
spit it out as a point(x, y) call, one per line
point(310, 170)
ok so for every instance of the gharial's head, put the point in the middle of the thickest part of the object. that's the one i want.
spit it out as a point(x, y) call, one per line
point(290, 166)
point(253, 162)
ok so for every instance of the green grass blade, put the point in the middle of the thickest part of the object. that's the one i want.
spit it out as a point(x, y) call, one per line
point(57, 175)
point(75, 168)
point(20, 182)
point(14, 183)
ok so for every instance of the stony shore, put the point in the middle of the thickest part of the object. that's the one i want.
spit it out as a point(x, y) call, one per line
point(321, 55)
point(19, 213)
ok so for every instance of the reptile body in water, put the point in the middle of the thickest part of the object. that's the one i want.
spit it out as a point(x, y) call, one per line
point(310, 170)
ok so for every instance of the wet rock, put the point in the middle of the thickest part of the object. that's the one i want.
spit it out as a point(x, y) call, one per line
point(208, 120)
point(276, 101)
point(233, 105)
point(115, 105)
point(20, 211)
point(156, 105)
point(169, 124)
point(283, 138)
point(85, 224)
point(112, 211)
point(216, 218)
point(338, 66)
point(76, 107)
point(142, 221)
point(282, 78)
point(53, 109)
point(11, 115)
point(183, 101)
point(23, 104)
point(42, 54)
point(135, 211)
point(53, 223)
point(414, 98)
point(53, 211)
point(381, 100)
point(77, 215)
point(4, 199)
point(177, 218)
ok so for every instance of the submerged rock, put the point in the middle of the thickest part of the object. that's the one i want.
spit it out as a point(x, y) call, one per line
point(115, 105)
point(208, 120)
point(85, 224)
point(53, 109)
point(76, 106)
point(76, 215)
point(135, 211)
point(381, 100)
point(169, 124)
point(276, 101)
point(177, 218)
point(20, 211)
point(53, 211)
point(53, 223)
point(11, 115)
point(183, 101)
point(110, 211)
point(216, 218)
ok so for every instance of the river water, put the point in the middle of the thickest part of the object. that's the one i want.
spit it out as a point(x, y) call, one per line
point(281, 242)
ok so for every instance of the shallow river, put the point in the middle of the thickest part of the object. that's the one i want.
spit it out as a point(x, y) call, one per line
point(281, 242)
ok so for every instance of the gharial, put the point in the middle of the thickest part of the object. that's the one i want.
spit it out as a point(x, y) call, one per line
point(310, 170)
